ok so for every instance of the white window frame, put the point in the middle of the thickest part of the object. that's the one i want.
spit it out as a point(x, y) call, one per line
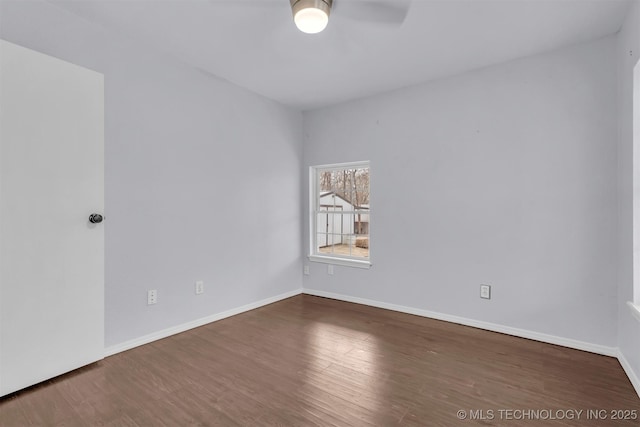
point(314, 209)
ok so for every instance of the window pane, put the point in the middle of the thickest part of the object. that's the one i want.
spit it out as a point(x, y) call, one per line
point(336, 180)
point(322, 242)
point(361, 221)
point(354, 246)
point(342, 218)
point(344, 223)
point(335, 226)
point(322, 222)
point(361, 246)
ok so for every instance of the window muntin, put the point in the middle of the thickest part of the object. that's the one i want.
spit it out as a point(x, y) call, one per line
point(340, 213)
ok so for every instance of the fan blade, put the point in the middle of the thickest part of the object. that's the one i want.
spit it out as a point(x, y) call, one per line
point(392, 12)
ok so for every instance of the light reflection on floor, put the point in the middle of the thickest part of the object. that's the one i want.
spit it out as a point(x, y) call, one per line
point(344, 371)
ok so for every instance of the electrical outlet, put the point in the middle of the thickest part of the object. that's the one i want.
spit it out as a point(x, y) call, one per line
point(330, 270)
point(485, 291)
point(152, 297)
point(306, 270)
point(199, 287)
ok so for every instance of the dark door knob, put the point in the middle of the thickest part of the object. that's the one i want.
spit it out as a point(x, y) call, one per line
point(95, 218)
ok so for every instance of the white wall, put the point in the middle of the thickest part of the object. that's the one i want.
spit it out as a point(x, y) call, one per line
point(511, 171)
point(628, 326)
point(188, 159)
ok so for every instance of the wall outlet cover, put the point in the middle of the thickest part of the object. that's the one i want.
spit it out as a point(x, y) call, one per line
point(485, 291)
point(152, 297)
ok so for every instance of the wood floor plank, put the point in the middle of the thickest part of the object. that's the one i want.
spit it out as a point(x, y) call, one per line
point(309, 361)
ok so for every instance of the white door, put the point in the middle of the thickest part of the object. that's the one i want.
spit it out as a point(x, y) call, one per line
point(51, 180)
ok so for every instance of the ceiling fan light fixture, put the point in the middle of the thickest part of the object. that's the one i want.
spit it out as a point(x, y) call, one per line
point(311, 16)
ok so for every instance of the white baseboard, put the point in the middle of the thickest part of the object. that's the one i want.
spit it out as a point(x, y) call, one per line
point(146, 339)
point(522, 333)
point(635, 381)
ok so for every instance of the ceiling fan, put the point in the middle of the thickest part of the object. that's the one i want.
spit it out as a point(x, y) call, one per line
point(312, 16)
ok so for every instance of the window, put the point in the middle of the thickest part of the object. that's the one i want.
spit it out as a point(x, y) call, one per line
point(340, 214)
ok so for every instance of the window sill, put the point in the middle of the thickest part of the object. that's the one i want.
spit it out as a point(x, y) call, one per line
point(341, 261)
point(635, 310)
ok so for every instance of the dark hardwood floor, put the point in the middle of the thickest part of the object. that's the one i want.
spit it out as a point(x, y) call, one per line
point(309, 361)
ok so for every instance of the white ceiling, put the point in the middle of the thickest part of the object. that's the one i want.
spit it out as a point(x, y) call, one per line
point(255, 44)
